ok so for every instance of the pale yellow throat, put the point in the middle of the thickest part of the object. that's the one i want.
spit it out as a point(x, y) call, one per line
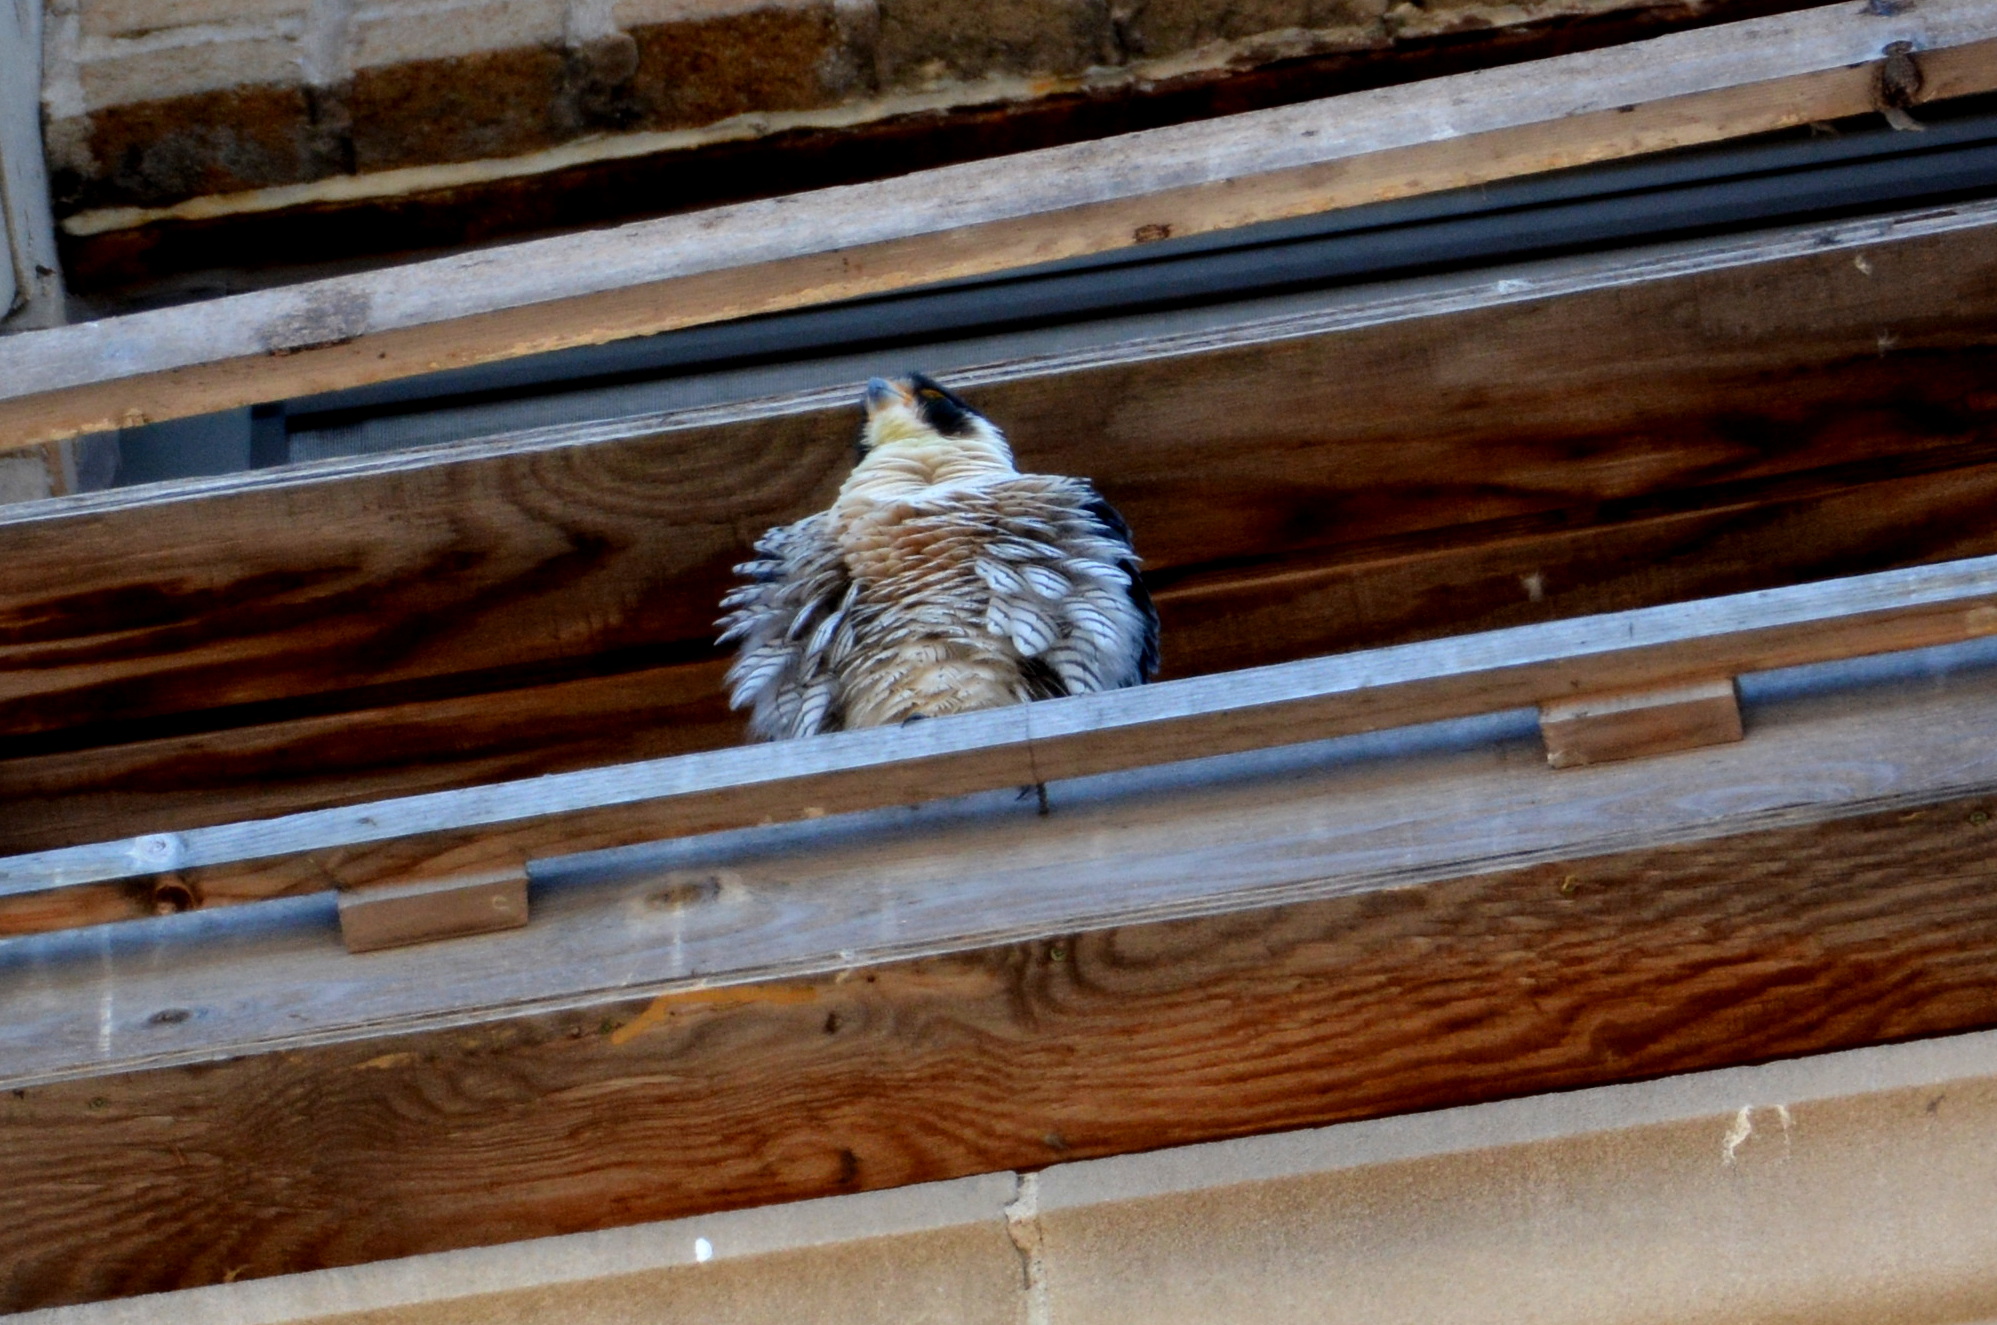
point(906, 456)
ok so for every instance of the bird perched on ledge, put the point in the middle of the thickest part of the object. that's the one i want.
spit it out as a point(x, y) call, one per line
point(942, 580)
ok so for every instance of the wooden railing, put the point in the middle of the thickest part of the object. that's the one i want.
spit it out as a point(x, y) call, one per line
point(478, 838)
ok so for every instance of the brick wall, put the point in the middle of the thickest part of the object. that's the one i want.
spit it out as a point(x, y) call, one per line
point(150, 102)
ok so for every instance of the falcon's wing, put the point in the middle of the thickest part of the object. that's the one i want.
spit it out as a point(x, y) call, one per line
point(791, 620)
point(1065, 588)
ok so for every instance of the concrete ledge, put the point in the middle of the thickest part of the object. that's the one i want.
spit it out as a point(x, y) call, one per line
point(1853, 1187)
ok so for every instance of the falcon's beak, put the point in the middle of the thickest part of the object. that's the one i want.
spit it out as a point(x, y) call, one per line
point(882, 393)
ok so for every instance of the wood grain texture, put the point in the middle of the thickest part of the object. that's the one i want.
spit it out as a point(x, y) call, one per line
point(505, 826)
point(397, 917)
point(779, 902)
point(1561, 403)
point(345, 757)
point(1811, 528)
point(1594, 729)
point(1795, 532)
point(1706, 422)
point(1565, 974)
point(1681, 89)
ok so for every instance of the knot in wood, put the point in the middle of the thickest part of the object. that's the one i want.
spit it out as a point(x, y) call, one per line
point(1900, 79)
point(172, 895)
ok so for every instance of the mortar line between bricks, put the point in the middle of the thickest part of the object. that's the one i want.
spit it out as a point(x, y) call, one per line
point(1022, 1225)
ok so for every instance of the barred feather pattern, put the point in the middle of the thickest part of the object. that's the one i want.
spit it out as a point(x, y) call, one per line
point(1007, 588)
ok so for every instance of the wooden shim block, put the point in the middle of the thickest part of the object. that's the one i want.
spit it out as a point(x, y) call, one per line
point(1594, 729)
point(1674, 91)
point(394, 915)
point(1573, 392)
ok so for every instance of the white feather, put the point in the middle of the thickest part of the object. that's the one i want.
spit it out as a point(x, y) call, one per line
point(1033, 633)
point(1046, 581)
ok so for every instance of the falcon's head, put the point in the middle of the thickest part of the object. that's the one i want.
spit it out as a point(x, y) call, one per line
point(920, 433)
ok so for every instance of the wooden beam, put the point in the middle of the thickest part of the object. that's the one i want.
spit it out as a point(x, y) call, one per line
point(1515, 931)
point(1844, 521)
point(505, 826)
point(1299, 450)
point(1532, 1196)
point(1825, 526)
point(826, 894)
point(261, 770)
point(1674, 91)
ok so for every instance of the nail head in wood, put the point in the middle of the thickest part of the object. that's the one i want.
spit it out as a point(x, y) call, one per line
point(394, 915)
point(1595, 729)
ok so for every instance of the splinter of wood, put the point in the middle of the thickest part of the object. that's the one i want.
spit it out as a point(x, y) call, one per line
point(396, 914)
point(1595, 729)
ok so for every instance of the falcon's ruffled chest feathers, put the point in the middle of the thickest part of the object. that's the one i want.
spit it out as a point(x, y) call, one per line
point(940, 581)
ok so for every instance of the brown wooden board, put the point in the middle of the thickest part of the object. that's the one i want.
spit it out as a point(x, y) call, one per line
point(1421, 464)
point(267, 769)
point(1389, 597)
point(1388, 809)
point(1812, 528)
point(1595, 729)
point(1565, 974)
point(1386, 923)
point(1403, 422)
point(505, 826)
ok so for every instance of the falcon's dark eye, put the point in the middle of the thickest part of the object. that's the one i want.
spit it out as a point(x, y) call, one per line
point(941, 409)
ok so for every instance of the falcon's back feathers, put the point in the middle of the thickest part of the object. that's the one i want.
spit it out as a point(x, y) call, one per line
point(941, 581)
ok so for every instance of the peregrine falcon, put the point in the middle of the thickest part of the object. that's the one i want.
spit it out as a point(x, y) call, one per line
point(942, 580)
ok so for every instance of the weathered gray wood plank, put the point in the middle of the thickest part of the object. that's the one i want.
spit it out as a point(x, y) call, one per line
point(521, 299)
point(507, 824)
point(1384, 811)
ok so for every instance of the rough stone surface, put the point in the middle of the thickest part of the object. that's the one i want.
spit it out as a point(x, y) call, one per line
point(230, 59)
point(931, 41)
point(183, 98)
point(769, 60)
point(24, 476)
point(967, 1275)
point(1837, 1212)
point(1154, 28)
point(390, 34)
point(501, 103)
point(150, 103)
point(131, 18)
point(161, 151)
